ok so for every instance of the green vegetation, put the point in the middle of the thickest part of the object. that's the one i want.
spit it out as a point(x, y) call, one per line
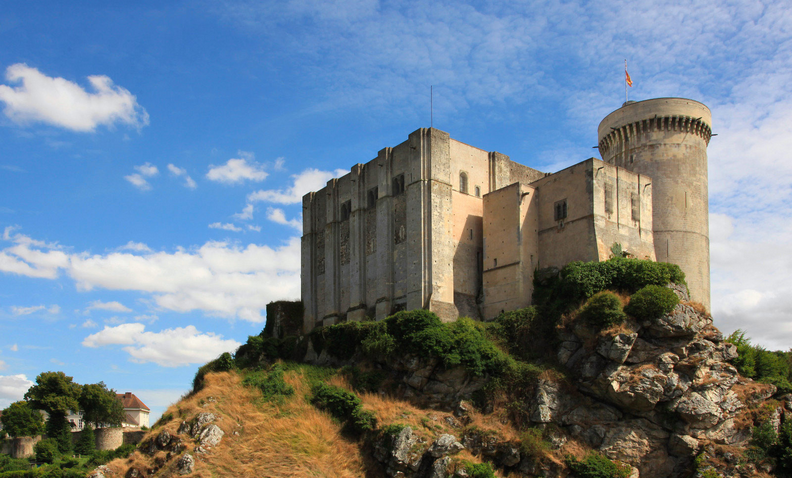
point(271, 383)
point(344, 406)
point(762, 365)
point(21, 419)
point(47, 450)
point(533, 444)
point(86, 445)
point(652, 302)
point(604, 309)
point(596, 465)
point(479, 470)
point(100, 405)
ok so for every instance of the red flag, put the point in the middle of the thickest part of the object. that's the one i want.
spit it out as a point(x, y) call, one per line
point(629, 81)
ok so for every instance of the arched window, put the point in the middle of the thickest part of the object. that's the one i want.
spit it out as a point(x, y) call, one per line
point(463, 182)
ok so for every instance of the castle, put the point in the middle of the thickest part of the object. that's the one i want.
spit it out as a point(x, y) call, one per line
point(437, 224)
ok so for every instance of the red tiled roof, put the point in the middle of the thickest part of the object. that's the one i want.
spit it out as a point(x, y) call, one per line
point(129, 400)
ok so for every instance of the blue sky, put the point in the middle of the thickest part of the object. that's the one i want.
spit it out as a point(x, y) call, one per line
point(154, 153)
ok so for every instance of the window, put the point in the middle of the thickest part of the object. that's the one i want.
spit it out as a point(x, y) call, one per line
point(471, 234)
point(372, 198)
point(346, 209)
point(608, 199)
point(398, 185)
point(635, 206)
point(560, 210)
point(463, 183)
point(478, 191)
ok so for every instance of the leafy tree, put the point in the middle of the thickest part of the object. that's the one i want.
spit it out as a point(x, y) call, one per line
point(56, 393)
point(47, 450)
point(21, 419)
point(100, 405)
point(86, 445)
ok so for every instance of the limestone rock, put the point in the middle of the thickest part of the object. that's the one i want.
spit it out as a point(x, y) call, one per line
point(683, 321)
point(163, 439)
point(546, 402)
point(643, 351)
point(617, 347)
point(186, 464)
point(200, 420)
point(642, 444)
point(636, 388)
point(445, 445)
point(682, 445)
point(184, 428)
point(440, 468)
point(210, 436)
point(698, 411)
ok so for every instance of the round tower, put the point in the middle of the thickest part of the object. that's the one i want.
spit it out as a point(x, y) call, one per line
point(666, 139)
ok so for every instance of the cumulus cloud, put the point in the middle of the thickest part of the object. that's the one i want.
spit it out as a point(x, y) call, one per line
point(53, 309)
point(89, 324)
point(309, 180)
point(135, 246)
point(237, 170)
point(59, 102)
point(144, 171)
point(225, 227)
point(177, 171)
point(278, 216)
point(168, 348)
point(113, 306)
point(14, 348)
point(247, 213)
point(13, 388)
point(219, 278)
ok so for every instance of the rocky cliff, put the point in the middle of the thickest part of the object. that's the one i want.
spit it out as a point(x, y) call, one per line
point(656, 397)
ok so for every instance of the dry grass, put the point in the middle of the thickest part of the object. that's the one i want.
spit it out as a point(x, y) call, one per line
point(698, 307)
point(290, 439)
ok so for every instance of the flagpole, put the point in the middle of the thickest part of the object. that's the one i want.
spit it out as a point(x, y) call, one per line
point(626, 99)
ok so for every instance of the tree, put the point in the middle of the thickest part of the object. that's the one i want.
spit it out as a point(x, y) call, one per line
point(100, 405)
point(47, 450)
point(86, 445)
point(21, 419)
point(56, 393)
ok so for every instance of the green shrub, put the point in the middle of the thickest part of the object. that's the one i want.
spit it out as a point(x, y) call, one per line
point(596, 465)
point(223, 363)
point(87, 442)
point(378, 343)
point(652, 302)
point(342, 340)
point(602, 310)
point(479, 470)
point(532, 444)
point(370, 381)
point(344, 406)
point(270, 383)
point(47, 450)
point(12, 464)
point(100, 457)
point(402, 325)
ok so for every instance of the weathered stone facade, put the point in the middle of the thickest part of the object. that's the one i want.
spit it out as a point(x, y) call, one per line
point(437, 224)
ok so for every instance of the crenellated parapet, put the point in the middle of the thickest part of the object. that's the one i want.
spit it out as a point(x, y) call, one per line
point(670, 123)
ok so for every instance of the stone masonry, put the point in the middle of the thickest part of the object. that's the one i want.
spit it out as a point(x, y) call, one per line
point(437, 224)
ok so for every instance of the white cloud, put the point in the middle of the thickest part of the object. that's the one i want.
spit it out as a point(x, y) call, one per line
point(57, 362)
point(147, 169)
point(225, 227)
point(150, 318)
point(304, 182)
point(113, 306)
point(247, 213)
point(16, 310)
point(218, 278)
point(277, 215)
point(14, 348)
point(254, 228)
point(114, 320)
point(237, 170)
point(138, 181)
point(13, 388)
point(3, 365)
point(135, 246)
point(89, 324)
point(59, 102)
point(177, 171)
point(168, 348)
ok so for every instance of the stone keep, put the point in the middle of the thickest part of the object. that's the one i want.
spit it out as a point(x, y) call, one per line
point(437, 224)
point(666, 139)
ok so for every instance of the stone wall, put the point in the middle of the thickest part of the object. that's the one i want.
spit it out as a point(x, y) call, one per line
point(109, 438)
point(21, 447)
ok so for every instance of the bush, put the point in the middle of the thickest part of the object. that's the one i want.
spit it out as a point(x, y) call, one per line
point(271, 383)
point(87, 442)
point(603, 309)
point(652, 302)
point(479, 470)
point(596, 465)
point(341, 340)
point(223, 363)
point(344, 406)
point(12, 464)
point(403, 325)
point(378, 343)
point(100, 457)
point(47, 450)
point(532, 444)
